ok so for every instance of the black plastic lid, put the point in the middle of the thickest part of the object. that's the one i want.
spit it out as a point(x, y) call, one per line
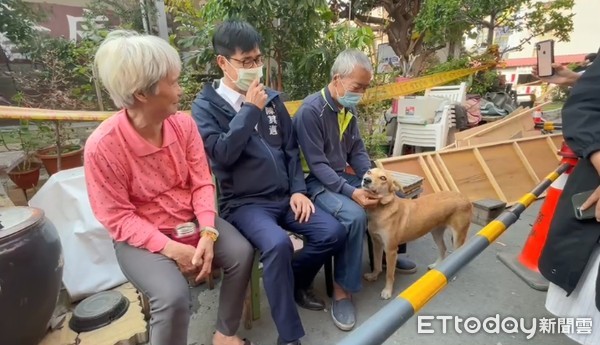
point(98, 311)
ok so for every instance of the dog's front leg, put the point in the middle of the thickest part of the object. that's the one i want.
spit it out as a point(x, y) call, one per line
point(390, 258)
point(377, 258)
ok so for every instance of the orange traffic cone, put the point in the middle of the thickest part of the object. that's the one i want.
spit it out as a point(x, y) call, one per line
point(526, 264)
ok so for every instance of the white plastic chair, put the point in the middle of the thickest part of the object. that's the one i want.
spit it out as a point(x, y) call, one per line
point(425, 135)
point(455, 93)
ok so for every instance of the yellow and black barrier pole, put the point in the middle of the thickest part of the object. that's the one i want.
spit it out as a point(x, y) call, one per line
point(386, 321)
point(549, 126)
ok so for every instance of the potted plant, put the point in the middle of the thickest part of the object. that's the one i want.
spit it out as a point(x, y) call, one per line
point(71, 154)
point(60, 79)
point(374, 126)
point(26, 174)
point(377, 146)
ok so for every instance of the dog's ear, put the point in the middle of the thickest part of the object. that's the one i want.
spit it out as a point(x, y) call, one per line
point(395, 185)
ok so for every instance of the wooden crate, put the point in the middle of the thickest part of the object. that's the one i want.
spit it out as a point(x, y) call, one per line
point(516, 125)
point(503, 171)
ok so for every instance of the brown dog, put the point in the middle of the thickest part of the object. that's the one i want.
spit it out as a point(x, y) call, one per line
point(394, 221)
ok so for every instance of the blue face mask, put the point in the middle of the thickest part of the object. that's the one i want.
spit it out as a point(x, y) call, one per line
point(350, 99)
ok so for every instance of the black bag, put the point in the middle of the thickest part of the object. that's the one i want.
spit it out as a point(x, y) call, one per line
point(461, 117)
point(502, 100)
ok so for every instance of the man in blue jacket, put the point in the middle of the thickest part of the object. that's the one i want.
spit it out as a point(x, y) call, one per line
point(247, 134)
point(328, 135)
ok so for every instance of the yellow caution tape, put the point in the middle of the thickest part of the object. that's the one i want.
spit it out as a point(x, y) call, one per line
point(393, 90)
point(375, 94)
point(292, 107)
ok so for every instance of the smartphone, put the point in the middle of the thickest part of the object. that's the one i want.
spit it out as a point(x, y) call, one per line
point(545, 58)
point(578, 200)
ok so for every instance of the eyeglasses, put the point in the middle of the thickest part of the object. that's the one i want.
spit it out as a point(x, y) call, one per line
point(249, 63)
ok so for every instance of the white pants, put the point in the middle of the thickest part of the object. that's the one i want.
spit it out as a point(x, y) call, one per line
point(581, 303)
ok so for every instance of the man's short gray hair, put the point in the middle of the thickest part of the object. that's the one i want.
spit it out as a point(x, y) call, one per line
point(128, 62)
point(348, 60)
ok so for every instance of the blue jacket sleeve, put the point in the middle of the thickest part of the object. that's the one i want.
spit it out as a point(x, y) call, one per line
point(581, 113)
point(291, 150)
point(358, 157)
point(225, 146)
point(309, 132)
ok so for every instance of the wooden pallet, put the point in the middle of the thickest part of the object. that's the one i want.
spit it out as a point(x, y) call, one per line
point(516, 125)
point(503, 171)
point(129, 329)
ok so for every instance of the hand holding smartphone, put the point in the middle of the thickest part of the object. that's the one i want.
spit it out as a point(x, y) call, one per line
point(578, 200)
point(545, 58)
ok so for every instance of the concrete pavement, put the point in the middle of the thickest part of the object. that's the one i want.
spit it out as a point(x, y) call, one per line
point(484, 288)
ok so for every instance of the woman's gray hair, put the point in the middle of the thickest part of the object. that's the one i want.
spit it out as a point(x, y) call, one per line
point(348, 60)
point(128, 62)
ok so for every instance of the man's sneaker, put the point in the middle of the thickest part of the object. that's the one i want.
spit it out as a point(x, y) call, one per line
point(343, 314)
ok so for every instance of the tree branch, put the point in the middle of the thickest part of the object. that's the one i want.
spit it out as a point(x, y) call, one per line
point(512, 19)
point(343, 13)
point(436, 48)
point(370, 19)
point(465, 17)
point(497, 13)
point(485, 23)
point(374, 27)
point(389, 5)
point(519, 46)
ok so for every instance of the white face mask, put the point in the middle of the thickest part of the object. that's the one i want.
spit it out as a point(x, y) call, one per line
point(245, 76)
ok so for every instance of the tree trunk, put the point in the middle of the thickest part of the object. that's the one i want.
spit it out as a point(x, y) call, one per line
point(279, 71)
point(400, 31)
point(490, 33)
point(9, 69)
point(451, 50)
point(419, 64)
point(268, 70)
point(6, 59)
